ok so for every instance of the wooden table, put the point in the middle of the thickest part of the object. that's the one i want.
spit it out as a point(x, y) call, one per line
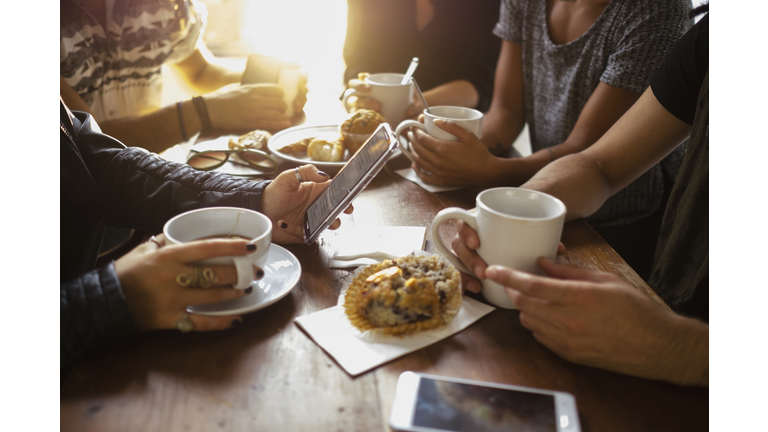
point(269, 375)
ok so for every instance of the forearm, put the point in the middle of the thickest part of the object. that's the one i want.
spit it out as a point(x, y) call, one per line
point(500, 129)
point(683, 357)
point(577, 180)
point(454, 93)
point(156, 131)
point(203, 76)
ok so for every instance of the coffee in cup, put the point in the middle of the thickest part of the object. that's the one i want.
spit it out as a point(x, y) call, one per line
point(225, 222)
point(388, 90)
point(469, 118)
point(515, 226)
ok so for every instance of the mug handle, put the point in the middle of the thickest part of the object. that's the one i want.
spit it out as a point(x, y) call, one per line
point(245, 274)
point(467, 216)
point(348, 93)
point(405, 124)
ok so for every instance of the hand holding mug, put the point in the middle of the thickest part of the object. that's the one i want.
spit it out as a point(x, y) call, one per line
point(148, 277)
point(360, 96)
point(247, 107)
point(515, 227)
point(381, 92)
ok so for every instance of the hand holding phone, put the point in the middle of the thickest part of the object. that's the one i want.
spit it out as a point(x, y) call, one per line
point(440, 404)
point(349, 182)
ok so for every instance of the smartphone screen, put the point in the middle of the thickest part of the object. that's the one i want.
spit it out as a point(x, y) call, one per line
point(460, 407)
point(350, 181)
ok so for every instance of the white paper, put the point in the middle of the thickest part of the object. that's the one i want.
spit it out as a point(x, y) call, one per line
point(365, 246)
point(409, 174)
point(356, 353)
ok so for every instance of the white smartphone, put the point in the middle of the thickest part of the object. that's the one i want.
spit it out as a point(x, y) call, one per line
point(441, 404)
point(349, 182)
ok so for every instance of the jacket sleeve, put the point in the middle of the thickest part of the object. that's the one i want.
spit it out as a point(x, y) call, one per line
point(93, 315)
point(136, 189)
point(142, 190)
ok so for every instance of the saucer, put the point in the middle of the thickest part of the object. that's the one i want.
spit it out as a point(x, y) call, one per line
point(281, 273)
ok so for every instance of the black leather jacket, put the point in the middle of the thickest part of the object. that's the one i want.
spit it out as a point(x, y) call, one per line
point(104, 182)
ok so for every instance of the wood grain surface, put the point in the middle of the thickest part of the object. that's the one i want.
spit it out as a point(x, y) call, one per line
point(268, 375)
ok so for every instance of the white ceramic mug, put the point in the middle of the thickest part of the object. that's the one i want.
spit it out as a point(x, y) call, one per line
point(386, 88)
point(515, 226)
point(469, 118)
point(223, 221)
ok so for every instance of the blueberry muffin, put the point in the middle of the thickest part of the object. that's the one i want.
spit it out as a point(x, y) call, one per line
point(356, 129)
point(404, 296)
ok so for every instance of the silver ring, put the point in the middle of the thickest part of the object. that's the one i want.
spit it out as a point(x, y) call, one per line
point(298, 175)
point(154, 240)
point(184, 324)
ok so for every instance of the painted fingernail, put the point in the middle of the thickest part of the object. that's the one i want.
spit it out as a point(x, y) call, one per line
point(235, 322)
point(251, 246)
point(283, 225)
point(323, 174)
point(260, 274)
point(249, 290)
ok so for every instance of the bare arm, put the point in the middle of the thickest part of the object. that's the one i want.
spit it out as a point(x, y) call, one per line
point(638, 141)
point(504, 121)
point(506, 117)
point(203, 76)
point(155, 131)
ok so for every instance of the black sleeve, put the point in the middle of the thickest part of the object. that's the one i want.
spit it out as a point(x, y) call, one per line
point(677, 82)
point(93, 315)
point(142, 190)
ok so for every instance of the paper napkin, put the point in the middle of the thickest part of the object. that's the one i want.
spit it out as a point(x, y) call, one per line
point(408, 174)
point(365, 246)
point(357, 352)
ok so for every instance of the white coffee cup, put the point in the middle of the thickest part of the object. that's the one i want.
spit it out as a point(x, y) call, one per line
point(386, 88)
point(469, 118)
point(515, 226)
point(223, 221)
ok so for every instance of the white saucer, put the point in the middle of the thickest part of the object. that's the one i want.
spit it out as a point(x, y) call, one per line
point(281, 273)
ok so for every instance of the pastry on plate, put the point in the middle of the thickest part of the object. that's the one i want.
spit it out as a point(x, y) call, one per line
point(297, 149)
point(404, 296)
point(358, 127)
point(324, 150)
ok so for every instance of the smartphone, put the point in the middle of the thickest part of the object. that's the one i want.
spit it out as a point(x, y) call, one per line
point(441, 404)
point(349, 182)
point(261, 69)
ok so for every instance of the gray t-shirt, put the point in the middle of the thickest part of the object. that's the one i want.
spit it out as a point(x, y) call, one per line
point(622, 49)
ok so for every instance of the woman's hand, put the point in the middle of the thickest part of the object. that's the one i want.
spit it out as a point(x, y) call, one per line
point(155, 299)
point(355, 103)
point(286, 200)
point(466, 161)
point(249, 106)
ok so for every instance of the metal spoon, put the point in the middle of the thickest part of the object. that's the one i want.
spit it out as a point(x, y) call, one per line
point(410, 71)
point(426, 107)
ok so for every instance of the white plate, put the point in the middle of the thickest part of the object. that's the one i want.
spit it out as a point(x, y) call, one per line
point(296, 133)
point(281, 273)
